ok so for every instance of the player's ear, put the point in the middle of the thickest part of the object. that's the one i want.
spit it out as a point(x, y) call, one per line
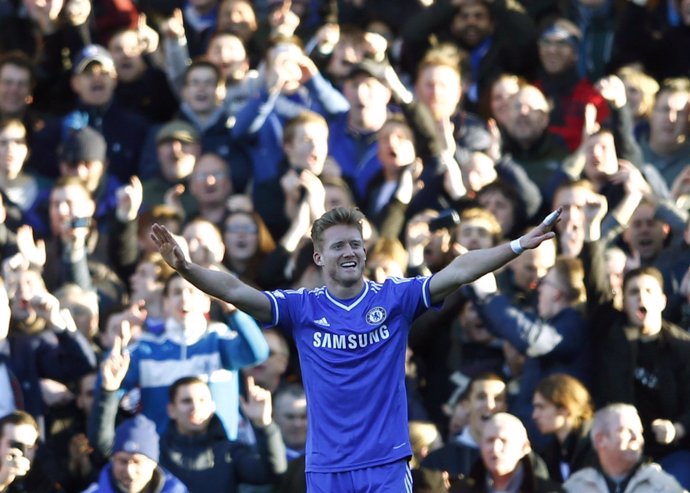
point(317, 258)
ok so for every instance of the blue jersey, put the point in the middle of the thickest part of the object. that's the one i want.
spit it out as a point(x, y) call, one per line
point(352, 356)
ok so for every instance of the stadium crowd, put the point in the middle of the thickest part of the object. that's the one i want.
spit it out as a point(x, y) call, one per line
point(454, 125)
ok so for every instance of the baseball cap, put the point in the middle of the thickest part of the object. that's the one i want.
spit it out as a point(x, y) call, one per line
point(177, 130)
point(137, 435)
point(83, 145)
point(93, 54)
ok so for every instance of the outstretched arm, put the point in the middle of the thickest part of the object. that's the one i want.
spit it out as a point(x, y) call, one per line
point(221, 285)
point(474, 264)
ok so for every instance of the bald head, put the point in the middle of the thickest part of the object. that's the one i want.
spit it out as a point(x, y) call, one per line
point(528, 115)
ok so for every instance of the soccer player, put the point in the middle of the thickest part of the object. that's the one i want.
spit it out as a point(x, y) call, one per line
point(351, 336)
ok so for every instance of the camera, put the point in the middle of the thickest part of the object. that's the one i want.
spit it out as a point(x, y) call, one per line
point(81, 222)
point(448, 219)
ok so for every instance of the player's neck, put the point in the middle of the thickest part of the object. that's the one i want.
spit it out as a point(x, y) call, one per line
point(344, 291)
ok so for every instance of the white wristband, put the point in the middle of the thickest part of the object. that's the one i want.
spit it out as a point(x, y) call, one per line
point(516, 247)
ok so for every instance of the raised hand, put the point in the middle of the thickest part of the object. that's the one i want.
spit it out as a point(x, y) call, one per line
point(631, 178)
point(173, 27)
point(542, 232)
point(148, 37)
point(664, 431)
point(129, 199)
point(168, 246)
point(257, 406)
point(612, 90)
point(115, 366)
point(595, 209)
point(34, 252)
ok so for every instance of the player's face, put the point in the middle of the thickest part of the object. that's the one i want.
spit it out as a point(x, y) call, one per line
point(342, 255)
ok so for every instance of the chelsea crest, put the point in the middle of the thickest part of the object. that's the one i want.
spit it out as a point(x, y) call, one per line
point(376, 315)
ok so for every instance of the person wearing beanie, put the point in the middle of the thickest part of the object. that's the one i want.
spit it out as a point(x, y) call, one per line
point(562, 84)
point(83, 153)
point(133, 466)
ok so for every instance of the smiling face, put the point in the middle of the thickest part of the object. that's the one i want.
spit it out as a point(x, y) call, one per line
point(13, 150)
point(487, 397)
point(15, 89)
point(192, 408)
point(342, 256)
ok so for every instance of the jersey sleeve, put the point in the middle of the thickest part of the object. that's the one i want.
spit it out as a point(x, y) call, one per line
point(284, 302)
point(413, 294)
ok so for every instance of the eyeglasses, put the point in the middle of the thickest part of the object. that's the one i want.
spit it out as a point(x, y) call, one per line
point(203, 176)
point(242, 228)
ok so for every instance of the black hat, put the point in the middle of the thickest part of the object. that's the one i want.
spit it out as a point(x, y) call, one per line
point(83, 145)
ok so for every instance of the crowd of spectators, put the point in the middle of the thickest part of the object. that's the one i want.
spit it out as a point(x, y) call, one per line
point(453, 125)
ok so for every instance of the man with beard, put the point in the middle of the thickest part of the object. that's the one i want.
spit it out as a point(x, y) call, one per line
point(618, 442)
point(528, 140)
point(498, 38)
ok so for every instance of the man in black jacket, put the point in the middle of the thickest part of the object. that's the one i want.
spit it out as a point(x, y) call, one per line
point(507, 461)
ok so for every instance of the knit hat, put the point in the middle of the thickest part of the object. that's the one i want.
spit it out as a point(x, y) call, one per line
point(137, 436)
point(83, 145)
point(562, 30)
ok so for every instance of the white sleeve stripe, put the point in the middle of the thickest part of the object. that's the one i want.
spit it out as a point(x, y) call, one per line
point(544, 341)
point(425, 290)
point(276, 316)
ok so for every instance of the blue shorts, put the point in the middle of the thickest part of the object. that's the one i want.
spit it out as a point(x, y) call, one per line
point(388, 478)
